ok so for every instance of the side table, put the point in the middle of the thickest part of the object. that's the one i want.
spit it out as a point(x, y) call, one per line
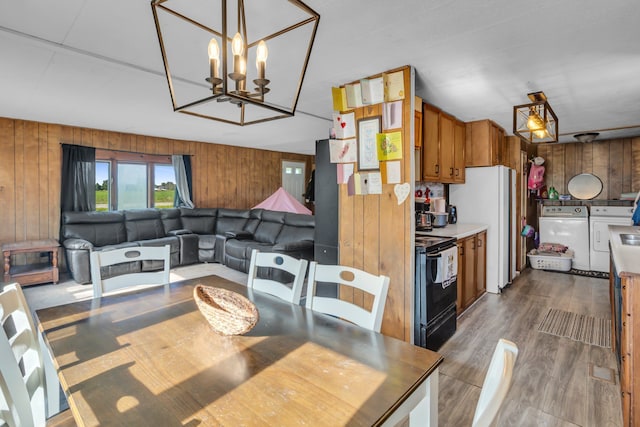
point(31, 274)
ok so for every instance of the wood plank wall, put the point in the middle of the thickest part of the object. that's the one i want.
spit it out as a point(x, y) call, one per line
point(616, 162)
point(375, 232)
point(31, 162)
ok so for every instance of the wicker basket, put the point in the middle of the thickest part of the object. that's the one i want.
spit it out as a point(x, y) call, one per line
point(558, 262)
point(227, 312)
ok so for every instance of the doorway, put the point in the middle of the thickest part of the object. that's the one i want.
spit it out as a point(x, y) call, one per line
point(293, 179)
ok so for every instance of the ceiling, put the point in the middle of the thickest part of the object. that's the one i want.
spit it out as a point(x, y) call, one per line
point(97, 64)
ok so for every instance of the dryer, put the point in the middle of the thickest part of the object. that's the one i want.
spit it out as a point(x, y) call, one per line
point(599, 220)
point(569, 226)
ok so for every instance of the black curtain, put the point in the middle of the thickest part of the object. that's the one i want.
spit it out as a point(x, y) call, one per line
point(78, 178)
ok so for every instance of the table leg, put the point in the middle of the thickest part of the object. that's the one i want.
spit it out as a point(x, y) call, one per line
point(421, 407)
point(54, 264)
point(7, 265)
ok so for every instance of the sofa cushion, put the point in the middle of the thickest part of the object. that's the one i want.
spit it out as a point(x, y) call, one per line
point(199, 221)
point(231, 220)
point(269, 227)
point(143, 224)
point(170, 219)
point(99, 228)
point(242, 248)
point(297, 227)
point(174, 252)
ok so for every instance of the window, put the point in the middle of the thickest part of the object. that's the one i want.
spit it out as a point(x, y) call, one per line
point(132, 180)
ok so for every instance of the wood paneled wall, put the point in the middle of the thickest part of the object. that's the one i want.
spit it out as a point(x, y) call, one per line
point(375, 232)
point(616, 162)
point(31, 162)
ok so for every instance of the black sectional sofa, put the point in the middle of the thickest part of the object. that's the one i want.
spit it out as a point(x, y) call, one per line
point(220, 235)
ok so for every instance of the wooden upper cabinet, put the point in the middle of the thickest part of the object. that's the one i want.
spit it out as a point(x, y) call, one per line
point(447, 168)
point(443, 146)
point(430, 143)
point(484, 143)
point(417, 117)
point(459, 143)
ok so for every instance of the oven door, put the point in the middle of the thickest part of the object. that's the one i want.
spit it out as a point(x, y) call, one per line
point(431, 298)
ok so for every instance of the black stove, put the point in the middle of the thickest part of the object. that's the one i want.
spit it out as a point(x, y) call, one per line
point(434, 243)
point(435, 301)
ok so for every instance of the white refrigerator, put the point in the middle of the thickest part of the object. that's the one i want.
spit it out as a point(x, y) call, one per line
point(488, 197)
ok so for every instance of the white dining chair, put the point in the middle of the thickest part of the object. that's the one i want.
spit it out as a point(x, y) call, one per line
point(496, 383)
point(22, 379)
point(378, 286)
point(100, 259)
point(287, 291)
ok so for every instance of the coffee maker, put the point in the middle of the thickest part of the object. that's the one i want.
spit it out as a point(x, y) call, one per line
point(423, 217)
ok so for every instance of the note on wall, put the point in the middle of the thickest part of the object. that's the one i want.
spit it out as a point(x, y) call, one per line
point(372, 91)
point(354, 95)
point(390, 172)
point(373, 182)
point(344, 172)
point(393, 86)
point(344, 125)
point(339, 95)
point(343, 150)
point(389, 146)
point(392, 115)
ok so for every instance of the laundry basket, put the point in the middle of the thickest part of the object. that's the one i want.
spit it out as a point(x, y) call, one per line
point(550, 261)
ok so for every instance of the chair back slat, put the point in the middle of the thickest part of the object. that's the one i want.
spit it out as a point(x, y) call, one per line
point(23, 390)
point(101, 259)
point(290, 292)
point(377, 286)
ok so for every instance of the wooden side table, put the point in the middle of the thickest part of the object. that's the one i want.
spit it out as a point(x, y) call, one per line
point(31, 274)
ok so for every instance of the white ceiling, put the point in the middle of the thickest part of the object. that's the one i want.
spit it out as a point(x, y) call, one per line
point(97, 64)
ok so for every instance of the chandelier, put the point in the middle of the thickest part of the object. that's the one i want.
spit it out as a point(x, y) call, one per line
point(207, 46)
point(536, 121)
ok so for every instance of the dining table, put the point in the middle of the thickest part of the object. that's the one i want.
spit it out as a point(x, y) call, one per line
point(150, 358)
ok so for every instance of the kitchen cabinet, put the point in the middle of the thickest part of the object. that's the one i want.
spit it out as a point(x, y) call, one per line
point(472, 266)
point(459, 148)
point(443, 146)
point(430, 143)
point(417, 118)
point(484, 143)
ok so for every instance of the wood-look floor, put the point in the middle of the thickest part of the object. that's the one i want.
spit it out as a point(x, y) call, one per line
point(552, 385)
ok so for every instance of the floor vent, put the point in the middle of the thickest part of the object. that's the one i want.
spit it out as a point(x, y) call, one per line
point(601, 373)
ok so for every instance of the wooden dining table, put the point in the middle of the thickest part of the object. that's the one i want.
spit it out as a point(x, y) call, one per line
point(149, 358)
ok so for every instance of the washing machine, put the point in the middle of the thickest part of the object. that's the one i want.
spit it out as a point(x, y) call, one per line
point(600, 218)
point(569, 226)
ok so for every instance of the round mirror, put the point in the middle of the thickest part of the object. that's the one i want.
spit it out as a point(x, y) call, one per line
point(584, 186)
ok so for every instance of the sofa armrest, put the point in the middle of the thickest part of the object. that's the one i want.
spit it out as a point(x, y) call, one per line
point(179, 232)
point(77, 244)
point(239, 235)
point(300, 245)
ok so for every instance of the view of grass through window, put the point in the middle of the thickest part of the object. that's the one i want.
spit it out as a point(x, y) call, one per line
point(132, 188)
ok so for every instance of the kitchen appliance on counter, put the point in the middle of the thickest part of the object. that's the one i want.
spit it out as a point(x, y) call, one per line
point(488, 197)
point(435, 291)
point(600, 218)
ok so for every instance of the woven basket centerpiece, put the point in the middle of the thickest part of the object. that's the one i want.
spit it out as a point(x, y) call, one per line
point(227, 312)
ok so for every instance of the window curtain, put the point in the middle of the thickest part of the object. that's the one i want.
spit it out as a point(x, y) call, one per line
point(184, 186)
point(78, 178)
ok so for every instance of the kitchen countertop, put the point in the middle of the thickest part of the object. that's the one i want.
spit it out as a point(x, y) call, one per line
point(459, 231)
point(625, 257)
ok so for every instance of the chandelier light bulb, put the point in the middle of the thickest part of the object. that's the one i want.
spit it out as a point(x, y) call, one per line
point(261, 58)
point(214, 59)
point(237, 45)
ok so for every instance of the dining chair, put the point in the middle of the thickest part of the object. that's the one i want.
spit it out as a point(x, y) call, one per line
point(378, 286)
point(287, 291)
point(496, 383)
point(22, 379)
point(102, 259)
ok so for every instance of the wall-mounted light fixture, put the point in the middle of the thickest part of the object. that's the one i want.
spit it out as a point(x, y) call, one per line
point(536, 121)
point(230, 33)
